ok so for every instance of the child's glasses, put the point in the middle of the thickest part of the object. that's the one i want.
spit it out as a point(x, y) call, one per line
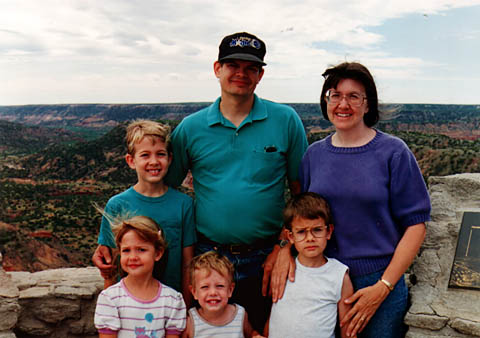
point(317, 232)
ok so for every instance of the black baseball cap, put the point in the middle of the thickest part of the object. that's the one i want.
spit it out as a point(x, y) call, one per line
point(242, 46)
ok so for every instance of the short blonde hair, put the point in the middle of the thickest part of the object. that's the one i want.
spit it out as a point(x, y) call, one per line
point(145, 227)
point(139, 129)
point(211, 260)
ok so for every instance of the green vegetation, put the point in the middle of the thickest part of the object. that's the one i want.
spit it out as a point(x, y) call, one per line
point(101, 159)
point(440, 155)
point(48, 197)
point(93, 120)
point(18, 139)
point(50, 175)
point(63, 209)
point(437, 155)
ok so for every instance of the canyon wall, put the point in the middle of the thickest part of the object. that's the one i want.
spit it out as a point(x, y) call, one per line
point(60, 303)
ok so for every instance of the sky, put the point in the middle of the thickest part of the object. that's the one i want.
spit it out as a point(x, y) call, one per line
point(147, 51)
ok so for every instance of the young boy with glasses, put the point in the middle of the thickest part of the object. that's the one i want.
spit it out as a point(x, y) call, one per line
point(309, 305)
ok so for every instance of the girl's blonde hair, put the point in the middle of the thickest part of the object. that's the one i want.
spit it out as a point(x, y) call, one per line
point(209, 261)
point(145, 227)
point(139, 129)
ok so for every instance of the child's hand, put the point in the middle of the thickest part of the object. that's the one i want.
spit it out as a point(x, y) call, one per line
point(102, 259)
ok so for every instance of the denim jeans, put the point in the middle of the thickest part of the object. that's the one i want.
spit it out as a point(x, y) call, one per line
point(248, 282)
point(387, 322)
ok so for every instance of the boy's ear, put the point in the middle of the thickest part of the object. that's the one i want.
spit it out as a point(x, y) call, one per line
point(289, 236)
point(192, 290)
point(130, 161)
point(232, 287)
point(330, 231)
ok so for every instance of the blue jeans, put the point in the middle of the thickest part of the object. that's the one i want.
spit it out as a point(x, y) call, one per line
point(248, 282)
point(387, 322)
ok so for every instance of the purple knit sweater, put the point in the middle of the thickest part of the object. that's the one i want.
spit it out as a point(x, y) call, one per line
point(375, 192)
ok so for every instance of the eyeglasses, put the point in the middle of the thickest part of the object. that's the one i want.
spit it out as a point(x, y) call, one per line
point(317, 232)
point(353, 99)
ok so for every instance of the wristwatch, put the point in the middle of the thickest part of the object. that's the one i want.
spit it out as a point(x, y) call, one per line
point(283, 242)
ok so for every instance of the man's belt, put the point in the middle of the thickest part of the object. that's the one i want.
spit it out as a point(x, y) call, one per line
point(238, 249)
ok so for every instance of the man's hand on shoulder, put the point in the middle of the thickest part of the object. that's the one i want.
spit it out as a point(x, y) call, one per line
point(277, 267)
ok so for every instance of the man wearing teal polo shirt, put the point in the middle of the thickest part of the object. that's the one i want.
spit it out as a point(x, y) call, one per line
point(240, 150)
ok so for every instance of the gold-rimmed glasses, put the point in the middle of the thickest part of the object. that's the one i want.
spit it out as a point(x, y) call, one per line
point(353, 99)
point(317, 232)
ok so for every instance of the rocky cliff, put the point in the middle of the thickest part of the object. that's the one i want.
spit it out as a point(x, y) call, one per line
point(61, 303)
point(437, 310)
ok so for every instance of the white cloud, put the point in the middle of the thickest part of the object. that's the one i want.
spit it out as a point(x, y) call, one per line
point(163, 50)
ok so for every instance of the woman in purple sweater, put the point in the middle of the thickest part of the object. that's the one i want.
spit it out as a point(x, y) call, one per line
point(378, 198)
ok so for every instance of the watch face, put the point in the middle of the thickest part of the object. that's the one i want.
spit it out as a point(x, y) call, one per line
point(283, 242)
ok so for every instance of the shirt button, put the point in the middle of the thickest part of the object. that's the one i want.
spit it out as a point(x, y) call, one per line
point(236, 134)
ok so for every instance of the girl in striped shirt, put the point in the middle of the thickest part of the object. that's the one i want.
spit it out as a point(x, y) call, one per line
point(139, 305)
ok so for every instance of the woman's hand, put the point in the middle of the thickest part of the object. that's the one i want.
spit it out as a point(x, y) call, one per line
point(367, 301)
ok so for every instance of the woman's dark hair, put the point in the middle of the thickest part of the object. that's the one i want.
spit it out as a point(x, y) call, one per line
point(359, 73)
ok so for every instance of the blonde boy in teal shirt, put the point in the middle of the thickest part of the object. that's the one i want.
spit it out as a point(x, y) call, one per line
point(149, 154)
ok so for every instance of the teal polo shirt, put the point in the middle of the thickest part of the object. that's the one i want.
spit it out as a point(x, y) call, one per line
point(239, 173)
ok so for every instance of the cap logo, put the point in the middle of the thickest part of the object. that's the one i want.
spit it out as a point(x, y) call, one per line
point(245, 42)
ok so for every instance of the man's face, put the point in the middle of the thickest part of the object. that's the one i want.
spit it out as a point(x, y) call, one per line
point(238, 77)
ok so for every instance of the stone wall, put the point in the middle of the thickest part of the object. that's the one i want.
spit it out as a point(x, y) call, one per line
point(52, 303)
point(439, 311)
point(61, 303)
